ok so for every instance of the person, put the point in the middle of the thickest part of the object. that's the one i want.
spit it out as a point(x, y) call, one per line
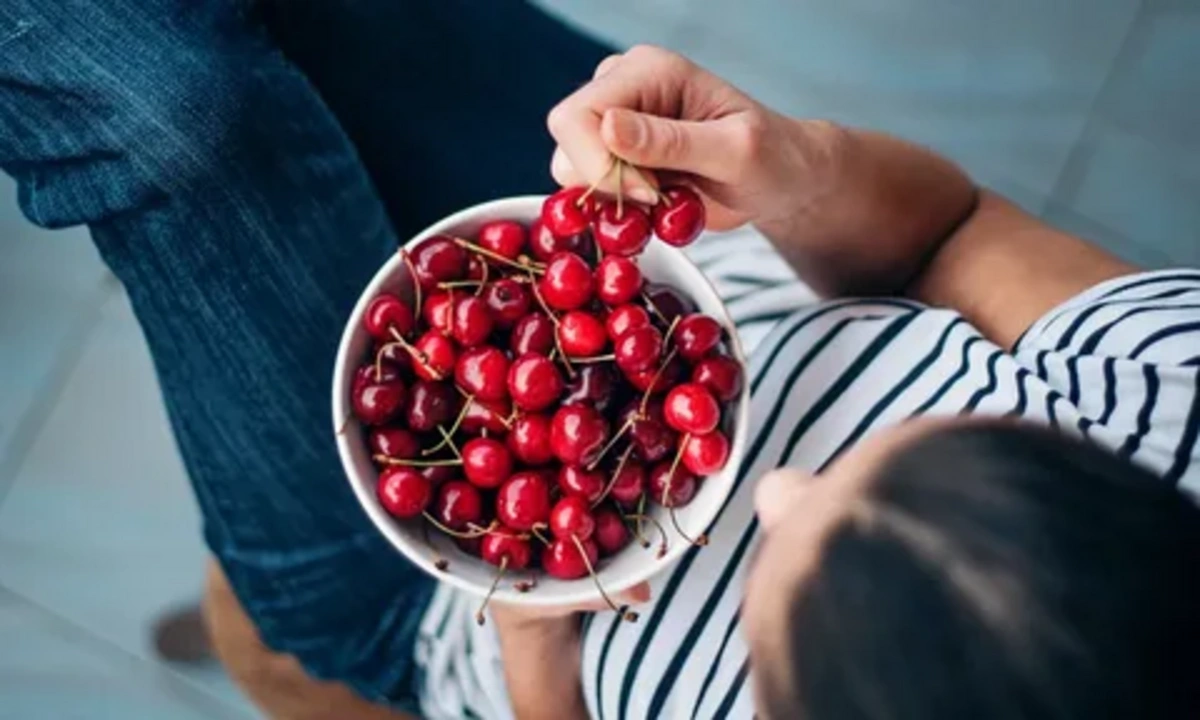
point(229, 200)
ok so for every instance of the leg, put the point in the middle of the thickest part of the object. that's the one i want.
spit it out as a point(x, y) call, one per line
point(227, 199)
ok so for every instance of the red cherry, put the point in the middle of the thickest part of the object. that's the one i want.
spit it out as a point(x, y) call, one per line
point(523, 501)
point(696, 335)
point(618, 280)
point(561, 559)
point(567, 212)
point(578, 434)
point(377, 403)
point(721, 375)
point(472, 321)
point(543, 244)
point(534, 382)
point(470, 545)
point(503, 237)
point(611, 534)
point(581, 334)
point(430, 404)
point(386, 312)
point(438, 311)
point(682, 490)
point(403, 492)
point(669, 376)
point(621, 230)
point(457, 504)
point(579, 482)
point(572, 517)
point(624, 318)
point(533, 333)
point(593, 385)
point(483, 372)
point(505, 544)
point(689, 408)
point(490, 415)
point(679, 217)
point(706, 454)
point(508, 300)
point(629, 484)
point(669, 302)
point(440, 356)
point(652, 439)
point(438, 474)
point(476, 268)
point(438, 259)
point(366, 375)
point(394, 442)
point(394, 357)
point(567, 282)
point(487, 462)
point(529, 439)
point(639, 349)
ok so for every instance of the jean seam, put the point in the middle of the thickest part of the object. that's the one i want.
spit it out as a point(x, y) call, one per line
point(22, 27)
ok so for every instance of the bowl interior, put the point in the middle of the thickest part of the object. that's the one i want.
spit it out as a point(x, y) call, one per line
point(659, 263)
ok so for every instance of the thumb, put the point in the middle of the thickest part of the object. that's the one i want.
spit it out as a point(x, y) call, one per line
point(662, 143)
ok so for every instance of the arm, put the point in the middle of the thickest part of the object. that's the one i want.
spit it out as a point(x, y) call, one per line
point(541, 665)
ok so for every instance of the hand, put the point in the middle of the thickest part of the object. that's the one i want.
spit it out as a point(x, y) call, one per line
point(657, 110)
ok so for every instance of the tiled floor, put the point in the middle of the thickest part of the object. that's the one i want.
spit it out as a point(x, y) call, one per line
point(1086, 111)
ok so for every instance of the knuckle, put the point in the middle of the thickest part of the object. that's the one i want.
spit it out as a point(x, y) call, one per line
point(748, 139)
point(558, 119)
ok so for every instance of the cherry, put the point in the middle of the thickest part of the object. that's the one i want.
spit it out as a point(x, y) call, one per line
point(696, 335)
point(394, 442)
point(438, 311)
point(705, 454)
point(503, 545)
point(629, 484)
point(721, 375)
point(386, 311)
point(572, 517)
point(394, 356)
point(618, 280)
point(581, 334)
point(440, 356)
point(430, 404)
point(523, 501)
point(542, 242)
point(669, 376)
point(471, 545)
point(438, 259)
point(534, 382)
point(533, 333)
point(472, 321)
point(503, 237)
point(621, 230)
point(669, 302)
point(438, 474)
point(577, 434)
point(639, 349)
point(487, 462)
point(624, 318)
point(611, 534)
point(529, 439)
point(682, 490)
point(567, 282)
point(579, 482)
point(403, 492)
point(457, 504)
point(508, 300)
point(679, 216)
point(593, 385)
point(652, 439)
point(689, 408)
point(366, 375)
point(377, 403)
point(567, 212)
point(561, 559)
point(476, 268)
point(490, 415)
point(483, 373)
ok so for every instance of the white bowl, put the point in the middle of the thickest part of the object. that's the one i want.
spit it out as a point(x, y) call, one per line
point(659, 263)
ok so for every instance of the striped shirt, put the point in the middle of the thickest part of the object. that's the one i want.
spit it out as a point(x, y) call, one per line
point(1119, 363)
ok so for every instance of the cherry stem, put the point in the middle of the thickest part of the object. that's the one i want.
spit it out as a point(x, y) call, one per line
point(613, 162)
point(416, 354)
point(670, 330)
point(479, 618)
point(608, 446)
point(537, 533)
point(446, 436)
point(616, 473)
point(451, 284)
point(641, 512)
point(532, 267)
point(474, 531)
point(654, 382)
point(483, 281)
point(554, 319)
point(658, 197)
point(386, 460)
point(439, 562)
point(595, 359)
point(627, 615)
point(653, 307)
point(449, 438)
point(379, 359)
point(412, 272)
point(662, 532)
point(700, 540)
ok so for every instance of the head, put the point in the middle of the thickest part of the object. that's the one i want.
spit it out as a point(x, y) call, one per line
point(972, 570)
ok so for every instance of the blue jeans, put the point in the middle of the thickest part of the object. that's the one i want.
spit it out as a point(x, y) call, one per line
point(243, 170)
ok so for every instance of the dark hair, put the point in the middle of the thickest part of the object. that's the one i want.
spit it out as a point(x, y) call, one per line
point(999, 571)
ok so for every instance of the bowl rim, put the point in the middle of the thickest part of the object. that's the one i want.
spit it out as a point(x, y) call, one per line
point(419, 556)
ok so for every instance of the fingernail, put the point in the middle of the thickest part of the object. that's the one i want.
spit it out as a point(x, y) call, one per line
point(644, 195)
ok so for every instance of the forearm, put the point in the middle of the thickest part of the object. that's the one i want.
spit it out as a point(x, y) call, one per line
point(541, 666)
point(880, 212)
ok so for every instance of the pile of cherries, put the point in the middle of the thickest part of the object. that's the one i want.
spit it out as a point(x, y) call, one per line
point(531, 393)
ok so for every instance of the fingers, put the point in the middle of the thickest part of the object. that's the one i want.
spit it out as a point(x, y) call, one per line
point(701, 148)
point(606, 65)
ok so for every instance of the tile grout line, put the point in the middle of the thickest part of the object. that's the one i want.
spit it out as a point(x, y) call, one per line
point(68, 629)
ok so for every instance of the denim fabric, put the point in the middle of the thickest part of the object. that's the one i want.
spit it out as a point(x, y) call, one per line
point(213, 150)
